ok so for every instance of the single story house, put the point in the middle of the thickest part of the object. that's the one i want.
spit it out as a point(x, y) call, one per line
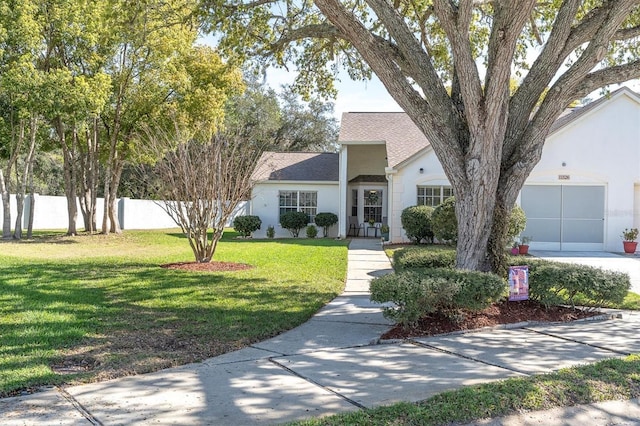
point(584, 191)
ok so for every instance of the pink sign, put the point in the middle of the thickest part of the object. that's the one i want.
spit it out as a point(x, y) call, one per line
point(518, 283)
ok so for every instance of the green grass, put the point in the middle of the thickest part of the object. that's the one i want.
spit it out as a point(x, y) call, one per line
point(103, 305)
point(606, 380)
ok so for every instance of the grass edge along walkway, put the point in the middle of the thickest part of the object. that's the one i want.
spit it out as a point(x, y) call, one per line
point(611, 379)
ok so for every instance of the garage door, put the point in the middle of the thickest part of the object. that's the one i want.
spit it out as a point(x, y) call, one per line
point(562, 217)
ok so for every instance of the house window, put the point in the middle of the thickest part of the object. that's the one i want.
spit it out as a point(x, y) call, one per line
point(433, 195)
point(299, 201)
point(373, 205)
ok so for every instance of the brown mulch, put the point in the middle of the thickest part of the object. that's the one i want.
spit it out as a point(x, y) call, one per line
point(208, 267)
point(497, 314)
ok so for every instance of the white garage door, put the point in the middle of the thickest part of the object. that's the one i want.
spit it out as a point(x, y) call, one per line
point(562, 217)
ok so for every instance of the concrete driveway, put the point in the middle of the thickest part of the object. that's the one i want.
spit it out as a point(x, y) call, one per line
point(629, 263)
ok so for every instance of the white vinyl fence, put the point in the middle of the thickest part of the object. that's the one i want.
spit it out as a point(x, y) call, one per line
point(51, 213)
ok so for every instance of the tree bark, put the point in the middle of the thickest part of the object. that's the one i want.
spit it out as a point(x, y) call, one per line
point(22, 180)
point(89, 174)
point(6, 208)
point(70, 181)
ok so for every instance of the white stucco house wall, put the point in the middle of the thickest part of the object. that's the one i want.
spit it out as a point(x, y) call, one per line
point(294, 181)
point(580, 196)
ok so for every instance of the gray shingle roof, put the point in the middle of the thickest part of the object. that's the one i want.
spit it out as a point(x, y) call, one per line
point(297, 166)
point(401, 135)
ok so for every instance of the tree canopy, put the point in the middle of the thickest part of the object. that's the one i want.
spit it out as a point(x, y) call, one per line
point(449, 64)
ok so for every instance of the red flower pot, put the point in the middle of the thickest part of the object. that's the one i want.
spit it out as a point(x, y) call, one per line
point(523, 249)
point(630, 246)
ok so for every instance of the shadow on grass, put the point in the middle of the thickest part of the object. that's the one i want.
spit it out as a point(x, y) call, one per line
point(134, 310)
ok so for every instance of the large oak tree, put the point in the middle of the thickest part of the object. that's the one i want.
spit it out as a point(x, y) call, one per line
point(448, 64)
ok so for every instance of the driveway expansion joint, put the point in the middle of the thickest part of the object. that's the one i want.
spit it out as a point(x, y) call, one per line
point(313, 382)
point(79, 407)
point(604, 348)
point(470, 358)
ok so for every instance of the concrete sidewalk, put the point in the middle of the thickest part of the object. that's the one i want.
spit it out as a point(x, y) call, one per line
point(331, 364)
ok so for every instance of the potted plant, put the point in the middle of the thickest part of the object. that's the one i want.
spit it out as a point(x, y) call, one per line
point(514, 248)
point(523, 247)
point(629, 237)
point(384, 231)
point(372, 222)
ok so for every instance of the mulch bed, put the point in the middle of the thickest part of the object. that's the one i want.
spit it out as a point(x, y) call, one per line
point(208, 267)
point(497, 314)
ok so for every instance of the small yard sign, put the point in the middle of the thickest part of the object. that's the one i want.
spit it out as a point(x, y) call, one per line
point(518, 283)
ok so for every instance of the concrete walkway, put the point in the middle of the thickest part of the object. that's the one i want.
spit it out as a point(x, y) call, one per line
point(331, 364)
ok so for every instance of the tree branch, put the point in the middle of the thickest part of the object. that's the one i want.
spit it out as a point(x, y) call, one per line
point(455, 22)
point(607, 76)
point(323, 30)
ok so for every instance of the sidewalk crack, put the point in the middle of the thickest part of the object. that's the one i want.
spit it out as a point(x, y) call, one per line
point(81, 409)
point(321, 386)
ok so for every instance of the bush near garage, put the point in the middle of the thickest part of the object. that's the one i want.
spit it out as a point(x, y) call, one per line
point(411, 258)
point(445, 224)
point(416, 222)
point(417, 293)
point(556, 283)
point(246, 225)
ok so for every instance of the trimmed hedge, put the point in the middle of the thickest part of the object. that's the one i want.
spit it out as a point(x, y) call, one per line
point(439, 290)
point(444, 222)
point(294, 222)
point(416, 222)
point(411, 258)
point(246, 225)
point(326, 220)
point(312, 231)
point(556, 283)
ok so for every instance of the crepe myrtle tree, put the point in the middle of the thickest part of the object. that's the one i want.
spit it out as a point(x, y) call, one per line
point(449, 65)
point(201, 181)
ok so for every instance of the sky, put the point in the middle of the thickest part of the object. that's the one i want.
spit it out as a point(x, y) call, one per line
point(353, 96)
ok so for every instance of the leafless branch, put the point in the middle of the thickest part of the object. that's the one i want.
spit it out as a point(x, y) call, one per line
point(202, 182)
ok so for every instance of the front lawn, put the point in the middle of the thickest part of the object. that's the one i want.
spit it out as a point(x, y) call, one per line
point(95, 307)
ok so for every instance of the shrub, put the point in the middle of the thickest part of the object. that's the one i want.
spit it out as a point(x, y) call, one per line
point(444, 222)
point(271, 232)
point(555, 283)
point(517, 223)
point(312, 231)
point(420, 292)
point(411, 258)
point(246, 225)
point(294, 222)
point(416, 221)
point(326, 221)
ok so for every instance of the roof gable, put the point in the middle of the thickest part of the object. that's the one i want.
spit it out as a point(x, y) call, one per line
point(578, 113)
point(401, 136)
point(297, 166)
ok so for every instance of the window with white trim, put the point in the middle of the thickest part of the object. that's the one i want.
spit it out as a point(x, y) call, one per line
point(299, 201)
point(433, 195)
point(373, 205)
